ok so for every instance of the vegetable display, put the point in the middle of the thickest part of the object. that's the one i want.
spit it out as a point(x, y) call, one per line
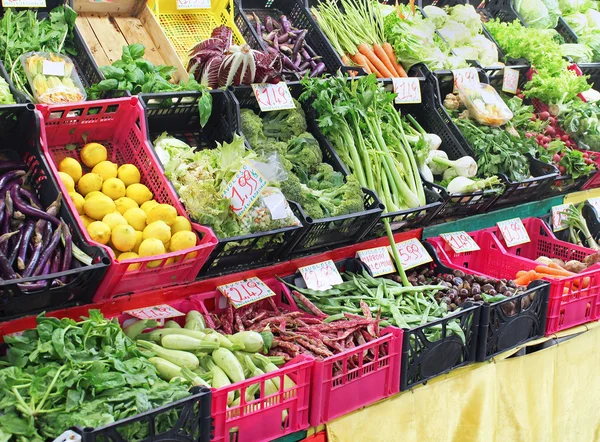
point(6, 96)
point(579, 232)
point(558, 269)
point(63, 87)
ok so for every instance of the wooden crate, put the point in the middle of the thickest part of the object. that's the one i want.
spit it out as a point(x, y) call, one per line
point(107, 27)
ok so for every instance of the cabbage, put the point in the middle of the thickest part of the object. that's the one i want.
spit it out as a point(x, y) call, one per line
point(574, 6)
point(536, 13)
point(578, 22)
point(592, 40)
point(593, 19)
point(553, 11)
point(455, 33)
point(437, 15)
point(468, 16)
point(487, 53)
point(466, 52)
point(5, 95)
point(580, 53)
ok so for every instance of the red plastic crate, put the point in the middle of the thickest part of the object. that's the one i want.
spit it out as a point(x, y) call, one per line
point(565, 310)
point(119, 125)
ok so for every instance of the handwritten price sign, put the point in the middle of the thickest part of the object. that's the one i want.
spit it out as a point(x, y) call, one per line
point(321, 276)
point(408, 90)
point(513, 231)
point(412, 253)
point(193, 4)
point(24, 3)
point(378, 260)
point(244, 189)
point(595, 203)
point(162, 311)
point(245, 292)
point(465, 77)
point(460, 242)
point(559, 216)
point(273, 97)
point(510, 80)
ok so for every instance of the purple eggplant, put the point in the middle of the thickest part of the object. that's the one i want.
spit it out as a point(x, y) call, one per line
point(319, 70)
point(27, 232)
point(16, 248)
point(35, 255)
point(285, 24)
point(258, 25)
point(47, 253)
point(10, 176)
point(283, 38)
point(8, 166)
point(56, 261)
point(33, 286)
point(6, 271)
point(30, 210)
point(68, 239)
point(288, 63)
point(32, 197)
point(298, 44)
point(269, 23)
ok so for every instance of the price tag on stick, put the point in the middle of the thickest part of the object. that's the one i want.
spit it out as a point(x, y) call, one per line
point(465, 77)
point(412, 253)
point(24, 3)
point(559, 216)
point(244, 189)
point(510, 80)
point(321, 276)
point(162, 311)
point(513, 231)
point(460, 242)
point(273, 97)
point(408, 90)
point(378, 260)
point(193, 4)
point(246, 291)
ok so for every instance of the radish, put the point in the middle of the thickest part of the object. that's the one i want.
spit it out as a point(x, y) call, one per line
point(544, 115)
point(565, 138)
point(550, 131)
point(556, 158)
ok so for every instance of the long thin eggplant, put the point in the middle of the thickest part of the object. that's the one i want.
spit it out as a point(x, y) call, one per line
point(6, 271)
point(47, 253)
point(269, 23)
point(30, 210)
point(32, 197)
point(56, 261)
point(68, 243)
point(7, 166)
point(298, 44)
point(285, 24)
point(320, 69)
point(17, 247)
point(9, 176)
point(27, 232)
point(35, 255)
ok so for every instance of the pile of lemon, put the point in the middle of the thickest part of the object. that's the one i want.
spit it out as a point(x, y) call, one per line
point(118, 211)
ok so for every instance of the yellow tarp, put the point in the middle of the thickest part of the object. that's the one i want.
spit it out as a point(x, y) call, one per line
point(552, 395)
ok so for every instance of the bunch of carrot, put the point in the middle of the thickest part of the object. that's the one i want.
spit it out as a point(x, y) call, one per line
point(551, 270)
point(357, 34)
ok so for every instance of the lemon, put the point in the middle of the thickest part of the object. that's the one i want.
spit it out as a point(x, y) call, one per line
point(113, 188)
point(158, 230)
point(99, 232)
point(129, 255)
point(92, 154)
point(86, 220)
point(181, 241)
point(89, 183)
point(151, 247)
point(123, 238)
point(139, 193)
point(106, 169)
point(148, 206)
point(129, 174)
point(78, 200)
point(136, 218)
point(67, 181)
point(71, 167)
point(93, 193)
point(97, 207)
point(181, 224)
point(139, 237)
point(114, 219)
point(124, 204)
point(162, 212)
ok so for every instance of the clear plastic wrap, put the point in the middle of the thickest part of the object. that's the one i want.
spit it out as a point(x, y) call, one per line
point(484, 104)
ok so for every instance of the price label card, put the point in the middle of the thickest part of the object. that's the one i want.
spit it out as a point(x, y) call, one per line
point(412, 253)
point(273, 97)
point(162, 311)
point(56, 68)
point(321, 276)
point(513, 231)
point(465, 77)
point(559, 217)
point(24, 3)
point(510, 80)
point(460, 242)
point(595, 203)
point(246, 291)
point(378, 260)
point(408, 90)
point(193, 4)
point(244, 189)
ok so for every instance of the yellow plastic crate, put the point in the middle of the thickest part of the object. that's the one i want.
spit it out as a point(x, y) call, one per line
point(187, 27)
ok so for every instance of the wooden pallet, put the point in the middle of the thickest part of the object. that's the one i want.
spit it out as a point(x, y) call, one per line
point(107, 27)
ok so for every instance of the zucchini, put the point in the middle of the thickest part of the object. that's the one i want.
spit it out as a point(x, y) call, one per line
point(177, 357)
point(132, 331)
point(219, 379)
point(250, 341)
point(187, 343)
point(227, 361)
point(156, 335)
point(194, 321)
point(172, 324)
point(166, 370)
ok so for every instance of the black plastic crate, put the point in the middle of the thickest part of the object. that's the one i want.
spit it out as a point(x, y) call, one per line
point(300, 17)
point(325, 233)
point(593, 70)
point(565, 31)
point(20, 141)
point(591, 217)
point(503, 10)
point(193, 422)
point(177, 113)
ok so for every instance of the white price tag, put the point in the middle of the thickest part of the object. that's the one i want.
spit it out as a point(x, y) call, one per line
point(460, 242)
point(408, 90)
point(465, 77)
point(273, 97)
point(246, 291)
point(56, 68)
point(595, 203)
point(321, 276)
point(244, 189)
point(412, 253)
point(162, 311)
point(559, 216)
point(24, 3)
point(513, 231)
point(193, 4)
point(378, 260)
point(510, 80)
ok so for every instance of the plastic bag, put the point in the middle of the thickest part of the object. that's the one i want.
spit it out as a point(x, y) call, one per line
point(271, 211)
point(484, 104)
point(52, 78)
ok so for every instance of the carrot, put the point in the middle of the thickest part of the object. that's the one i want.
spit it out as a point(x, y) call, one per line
point(379, 65)
point(521, 273)
point(522, 280)
point(556, 266)
point(389, 50)
point(362, 61)
point(552, 272)
point(346, 60)
point(372, 68)
point(383, 56)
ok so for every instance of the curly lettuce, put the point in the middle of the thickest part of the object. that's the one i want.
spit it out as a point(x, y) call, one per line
point(5, 95)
